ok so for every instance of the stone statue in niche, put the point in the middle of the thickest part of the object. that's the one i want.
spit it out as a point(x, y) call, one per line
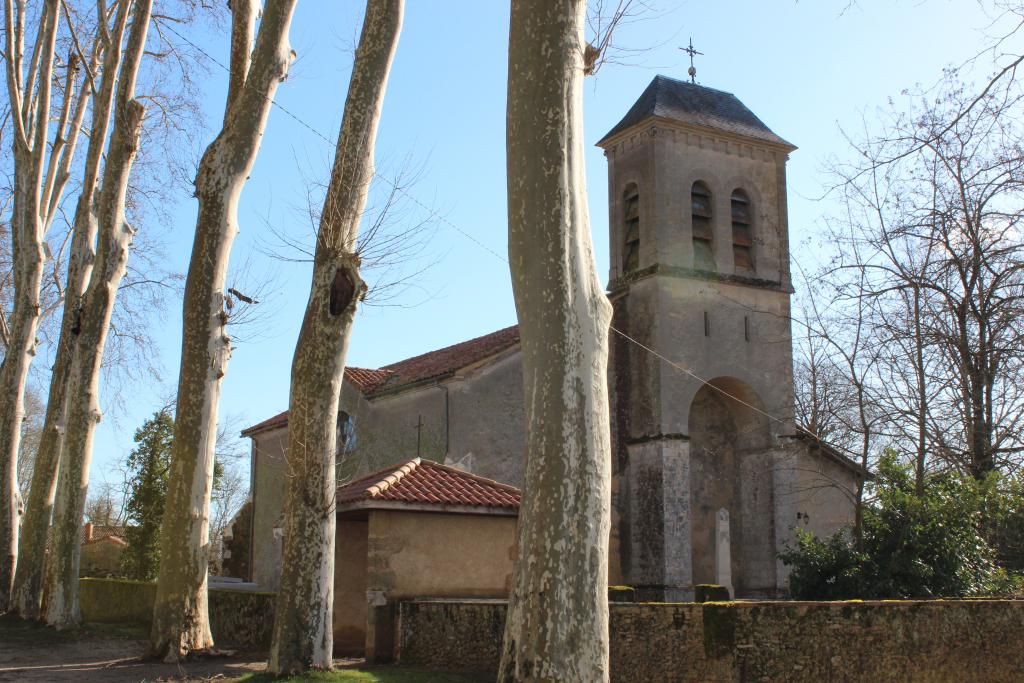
point(723, 551)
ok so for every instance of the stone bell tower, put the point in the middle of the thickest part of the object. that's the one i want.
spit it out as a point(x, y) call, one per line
point(699, 273)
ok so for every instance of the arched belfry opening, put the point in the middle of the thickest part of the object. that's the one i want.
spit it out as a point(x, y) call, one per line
point(727, 432)
point(630, 229)
point(702, 227)
point(742, 231)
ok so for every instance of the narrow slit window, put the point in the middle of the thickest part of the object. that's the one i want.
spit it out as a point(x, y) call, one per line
point(746, 328)
point(742, 231)
point(707, 325)
point(631, 229)
point(703, 234)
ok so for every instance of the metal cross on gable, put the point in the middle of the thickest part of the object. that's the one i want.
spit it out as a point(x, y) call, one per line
point(692, 52)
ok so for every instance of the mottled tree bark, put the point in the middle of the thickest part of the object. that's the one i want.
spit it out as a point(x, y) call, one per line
point(303, 635)
point(557, 625)
point(28, 581)
point(30, 108)
point(60, 594)
point(180, 620)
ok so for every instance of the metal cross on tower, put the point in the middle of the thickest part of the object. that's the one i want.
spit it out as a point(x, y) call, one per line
point(692, 52)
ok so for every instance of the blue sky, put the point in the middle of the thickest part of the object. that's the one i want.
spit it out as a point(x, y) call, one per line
point(805, 68)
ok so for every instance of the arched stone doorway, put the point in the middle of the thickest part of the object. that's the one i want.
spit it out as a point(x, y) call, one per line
point(730, 470)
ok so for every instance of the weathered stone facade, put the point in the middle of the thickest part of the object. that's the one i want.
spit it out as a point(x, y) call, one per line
point(699, 241)
point(798, 642)
point(704, 435)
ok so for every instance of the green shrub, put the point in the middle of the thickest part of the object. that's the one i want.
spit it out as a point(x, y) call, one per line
point(149, 464)
point(825, 569)
point(914, 544)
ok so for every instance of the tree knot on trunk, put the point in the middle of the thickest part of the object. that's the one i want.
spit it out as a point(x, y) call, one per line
point(590, 54)
point(76, 323)
point(347, 287)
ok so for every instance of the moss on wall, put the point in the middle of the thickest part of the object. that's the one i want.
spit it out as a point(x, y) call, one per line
point(116, 600)
point(710, 592)
point(240, 619)
point(621, 594)
point(940, 641)
point(719, 629)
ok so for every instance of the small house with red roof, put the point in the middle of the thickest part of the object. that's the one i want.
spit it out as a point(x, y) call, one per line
point(460, 406)
point(416, 529)
point(102, 548)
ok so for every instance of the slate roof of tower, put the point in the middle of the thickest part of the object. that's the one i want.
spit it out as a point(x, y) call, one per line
point(698, 105)
point(425, 367)
point(424, 482)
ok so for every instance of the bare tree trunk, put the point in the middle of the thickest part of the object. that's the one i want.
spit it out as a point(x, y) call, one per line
point(28, 581)
point(30, 110)
point(557, 626)
point(303, 635)
point(180, 620)
point(921, 460)
point(13, 376)
point(83, 407)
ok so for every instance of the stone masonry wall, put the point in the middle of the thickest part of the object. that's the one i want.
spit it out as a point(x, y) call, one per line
point(922, 641)
point(239, 619)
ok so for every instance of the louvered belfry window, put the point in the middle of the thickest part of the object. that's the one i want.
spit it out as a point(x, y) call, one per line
point(703, 233)
point(742, 231)
point(631, 228)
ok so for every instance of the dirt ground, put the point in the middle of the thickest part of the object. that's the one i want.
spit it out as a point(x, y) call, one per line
point(105, 653)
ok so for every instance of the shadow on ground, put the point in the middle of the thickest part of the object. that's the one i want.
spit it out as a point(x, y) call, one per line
point(110, 652)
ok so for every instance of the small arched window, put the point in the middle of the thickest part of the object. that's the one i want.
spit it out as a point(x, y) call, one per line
point(703, 235)
point(742, 231)
point(631, 228)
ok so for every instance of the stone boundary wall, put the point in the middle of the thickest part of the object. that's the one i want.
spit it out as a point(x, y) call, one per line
point(238, 619)
point(923, 641)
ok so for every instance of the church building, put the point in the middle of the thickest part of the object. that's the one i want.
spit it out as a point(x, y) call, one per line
point(711, 475)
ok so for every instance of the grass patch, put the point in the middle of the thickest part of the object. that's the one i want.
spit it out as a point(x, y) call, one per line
point(382, 674)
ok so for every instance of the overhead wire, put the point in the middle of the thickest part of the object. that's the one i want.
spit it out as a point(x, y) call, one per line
point(435, 215)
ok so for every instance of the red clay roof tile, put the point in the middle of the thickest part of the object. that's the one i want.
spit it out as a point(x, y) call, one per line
point(405, 373)
point(367, 379)
point(101, 531)
point(447, 360)
point(424, 482)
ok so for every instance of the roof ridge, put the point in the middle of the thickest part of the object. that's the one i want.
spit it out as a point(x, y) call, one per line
point(430, 464)
point(374, 490)
point(446, 348)
point(359, 367)
point(408, 373)
point(695, 85)
point(426, 482)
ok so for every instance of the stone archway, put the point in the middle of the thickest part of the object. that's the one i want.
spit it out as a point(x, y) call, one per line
point(728, 470)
